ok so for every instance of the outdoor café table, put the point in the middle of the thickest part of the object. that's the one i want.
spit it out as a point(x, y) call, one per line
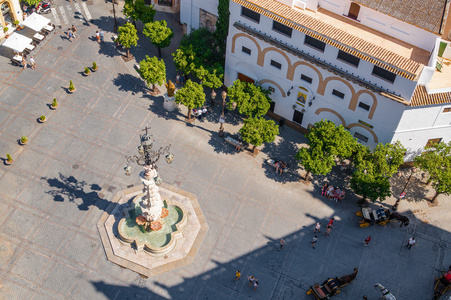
point(29, 48)
point(47, 28)
point(38, 37)
point(17, 59)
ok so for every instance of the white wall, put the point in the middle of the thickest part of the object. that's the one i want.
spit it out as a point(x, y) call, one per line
point(189, 11)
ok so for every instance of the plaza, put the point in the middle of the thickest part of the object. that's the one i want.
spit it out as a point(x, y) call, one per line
point(62, 182)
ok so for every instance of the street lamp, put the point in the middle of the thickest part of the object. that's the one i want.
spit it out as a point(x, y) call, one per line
point(213, 96)
point(148, 158)
point(114, 15)
point(221, 119)
point(403, 194)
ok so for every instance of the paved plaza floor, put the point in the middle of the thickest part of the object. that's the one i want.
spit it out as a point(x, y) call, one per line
point(61, 183)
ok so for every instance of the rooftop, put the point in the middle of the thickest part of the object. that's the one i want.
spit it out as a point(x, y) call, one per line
point(421, 97)
point(350, 36)
point(426, 14)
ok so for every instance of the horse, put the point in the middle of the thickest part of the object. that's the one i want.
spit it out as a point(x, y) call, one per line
point(347, 279)
point(385, 293)
point(403, 219)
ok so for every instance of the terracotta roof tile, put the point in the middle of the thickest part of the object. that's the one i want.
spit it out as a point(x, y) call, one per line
point(338, 38)
point(421, 97)
point(426, 14)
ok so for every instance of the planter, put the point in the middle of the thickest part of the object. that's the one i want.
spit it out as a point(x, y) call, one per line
point(71, 91)
point(86, 74)
point(9, 162)
point(42, 121)
point(54, 107)
point(22, 143)
point(94, 70)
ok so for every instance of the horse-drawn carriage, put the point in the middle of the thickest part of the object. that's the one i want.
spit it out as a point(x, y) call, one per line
point(380, 216)
point(442, 285)
point(331, 286)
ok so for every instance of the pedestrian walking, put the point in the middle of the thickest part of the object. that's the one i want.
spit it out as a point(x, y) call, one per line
point(317, 227)
point(410, 243)
point(177, 78)
point(282, 243)
point(24, 63)
point(102, 35)
point(367, 241)
point(328, 231)
point(74, 30)
point(70, 34)
point(98, 36)
point(314, 240)
point(32, 63)
point(251, 280)
point(255, 285)
point(237, 276)
point(331, 222)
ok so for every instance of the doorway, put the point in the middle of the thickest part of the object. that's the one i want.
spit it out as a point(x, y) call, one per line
point(297, 117)
point(354, 11)
point(245, 78)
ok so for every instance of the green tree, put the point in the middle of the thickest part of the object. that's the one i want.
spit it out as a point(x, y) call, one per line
point(250, 99)
point(222, 26)
point(138, 10)
point(257, 131)
point(436, 161)
point(159, 33)
point(153, 71)
point(315, 161)
point(370, 185)
point(184, 58)
point(32, 2)
point(191, 95)
point(127, 36)
point(212, 80)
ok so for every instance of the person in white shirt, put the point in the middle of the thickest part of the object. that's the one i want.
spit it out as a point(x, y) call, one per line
point(410, 243)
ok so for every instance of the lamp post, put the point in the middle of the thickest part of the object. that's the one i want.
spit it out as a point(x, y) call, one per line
point(114, 15)
point(403, 194)
point(221, 119)
point(213, 96)
point(147, 157)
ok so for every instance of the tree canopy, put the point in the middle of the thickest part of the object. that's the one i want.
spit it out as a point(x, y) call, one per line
point(159, 33)
point(32, 2)
point(127, 36)
point(138, 10)
point(153, 71)
point(191, 95)
point(436, 161)
point(250, 99)
point(184, 58)
point(370, 185)
point(315, 160)
point(257, 131)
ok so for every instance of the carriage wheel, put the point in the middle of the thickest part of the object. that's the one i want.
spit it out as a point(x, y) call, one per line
point(383, 223)
point(309, 291)
point(365, 224)
point(359, 213)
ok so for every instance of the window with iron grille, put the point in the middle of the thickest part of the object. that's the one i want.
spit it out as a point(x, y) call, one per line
point(351, 59)
point(246, 50)
point(276, 64)
point(384, 74)
point(317, 44)
point(250, 14)
point(283, 29)
point(338, 94)
point(364, 106)
point(306, 78)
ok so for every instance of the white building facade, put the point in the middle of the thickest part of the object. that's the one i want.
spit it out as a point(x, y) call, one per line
point(198, 13)
point(349, 62)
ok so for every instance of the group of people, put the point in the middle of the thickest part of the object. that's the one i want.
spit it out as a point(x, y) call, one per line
point(280, 166)
point(200, 112)
point(179, 79)
point(32, 63)
point(332, 193)
point(252, 280)
point(71, 33)
point(100, 36)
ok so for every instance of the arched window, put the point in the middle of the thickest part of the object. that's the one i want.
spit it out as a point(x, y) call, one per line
point(354, 10)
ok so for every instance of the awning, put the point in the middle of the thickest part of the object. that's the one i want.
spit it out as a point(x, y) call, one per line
point(17, 42)
point(35, 22)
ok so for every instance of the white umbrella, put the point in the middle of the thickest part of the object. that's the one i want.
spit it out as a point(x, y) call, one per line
point(17, 42)
point(35, 22)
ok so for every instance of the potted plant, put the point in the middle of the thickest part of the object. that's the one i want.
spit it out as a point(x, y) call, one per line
point(16, 22)
point(87, 71)
point(9, 160)
point(23, 140)
point(5, 29)
point(54, 104)
point(42, 119)
point(94, 67)
point(71, 87)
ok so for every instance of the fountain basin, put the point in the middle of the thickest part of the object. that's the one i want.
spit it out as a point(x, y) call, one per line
point(155, 243)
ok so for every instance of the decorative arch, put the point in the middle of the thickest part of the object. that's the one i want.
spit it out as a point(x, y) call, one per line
point(247, 36)
point(13, 11)
point(274, 83)
point(322, 85)
point(261, 56)
point(320, 110)
point(290, 73)
point(354, 100)
point(376, 140)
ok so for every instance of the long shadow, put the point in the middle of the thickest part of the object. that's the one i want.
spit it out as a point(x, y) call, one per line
point(130, 83)
point(73, 189)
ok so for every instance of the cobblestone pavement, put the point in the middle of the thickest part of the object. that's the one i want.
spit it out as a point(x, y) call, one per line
point(60, 183)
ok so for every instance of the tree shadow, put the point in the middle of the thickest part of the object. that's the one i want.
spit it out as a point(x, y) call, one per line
point(416, 190)
point(73, 189)
point(129, 83)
